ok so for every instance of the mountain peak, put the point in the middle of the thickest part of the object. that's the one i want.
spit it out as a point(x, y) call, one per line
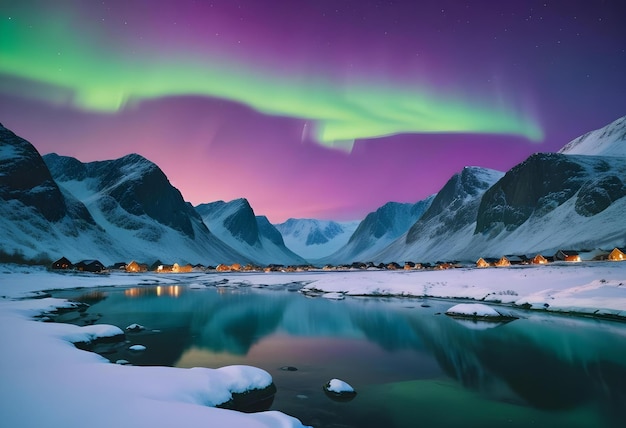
point(609, 140)
point(26, 178)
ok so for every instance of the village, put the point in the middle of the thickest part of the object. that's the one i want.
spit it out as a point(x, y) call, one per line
point(565, 256)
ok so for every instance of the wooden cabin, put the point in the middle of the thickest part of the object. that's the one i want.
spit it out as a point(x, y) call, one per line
point(62, 263)
point(539, 260)
point(517, 260)
point(502, 262)
point(164, 268)
point(567, 256)
point(90, 266)
point(136, 267)
point(618, 254)
point(222, 268)
point(176, 268)
point(444, 266)
point(482, 263)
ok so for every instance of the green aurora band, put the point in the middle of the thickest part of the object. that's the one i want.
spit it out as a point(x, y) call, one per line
point(62, 68)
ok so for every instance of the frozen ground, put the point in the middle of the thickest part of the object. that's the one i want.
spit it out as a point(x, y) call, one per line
point(46, 381)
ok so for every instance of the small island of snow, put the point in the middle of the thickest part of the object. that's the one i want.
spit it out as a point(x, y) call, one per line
point(137, 348)
point(333, 296)
point(339, 390)
point(476, 310)
point(339, 386)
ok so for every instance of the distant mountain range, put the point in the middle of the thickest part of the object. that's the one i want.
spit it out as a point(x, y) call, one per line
point(377, 231)
point(315, 239)
point(235, 223)
point(125, 209)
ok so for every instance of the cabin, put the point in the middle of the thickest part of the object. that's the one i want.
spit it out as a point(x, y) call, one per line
point(164, 268)
point(155, 266)
point(222, 268)
point(62, 264)
point(118, 266)
point(503, 261)
point(90, 266)
point(618, 254)
point(444, 265)
point(482, 263)
point(517, 260)
point(539, 260)
point(412, 266)
point(176, 268)
point(567, 256)
point(136, 267)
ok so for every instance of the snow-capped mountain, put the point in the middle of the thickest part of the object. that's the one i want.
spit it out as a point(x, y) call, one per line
point(548, 202)
point(235, 223)
point(554, 201)
point(145, 218)
point(607, 141)
point(443, 231)
point(126, 209)
point(314, 239)
point(377, 230)
point(38, 220)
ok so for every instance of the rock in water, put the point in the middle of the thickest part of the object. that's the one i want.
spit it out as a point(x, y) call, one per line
point(339, 390)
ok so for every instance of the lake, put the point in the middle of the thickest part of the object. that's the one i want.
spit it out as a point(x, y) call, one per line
point(410, 364)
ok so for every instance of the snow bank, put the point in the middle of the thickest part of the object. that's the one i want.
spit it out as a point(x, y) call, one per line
point(33, 371)
point(38, 361)
point(91, 333)
point(473, 310)
point(333, 296)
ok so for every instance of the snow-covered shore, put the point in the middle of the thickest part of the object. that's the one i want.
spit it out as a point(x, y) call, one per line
point(46, 381)
point(49, 382)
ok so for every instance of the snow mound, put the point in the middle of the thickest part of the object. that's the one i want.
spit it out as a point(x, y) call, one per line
point(137, 348)
point(339, 386)
point(91, 333)
point(333, 296)
point(478, 310)
point(135, 327)
point(339, 390)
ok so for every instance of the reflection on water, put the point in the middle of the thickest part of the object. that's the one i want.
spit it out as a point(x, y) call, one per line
point(159, 290)
point(409, 364)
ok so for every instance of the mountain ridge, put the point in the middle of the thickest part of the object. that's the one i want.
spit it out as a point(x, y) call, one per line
point(126, 208)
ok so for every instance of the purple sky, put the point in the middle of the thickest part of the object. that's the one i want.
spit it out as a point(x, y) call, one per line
point(231, 98)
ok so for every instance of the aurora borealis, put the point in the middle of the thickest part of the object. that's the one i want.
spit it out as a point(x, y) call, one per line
point(323, 109)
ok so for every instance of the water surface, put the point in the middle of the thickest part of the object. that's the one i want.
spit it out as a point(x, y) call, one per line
point(411, 365)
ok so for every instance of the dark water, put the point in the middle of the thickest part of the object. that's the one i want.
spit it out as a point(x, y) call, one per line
point(411, 366)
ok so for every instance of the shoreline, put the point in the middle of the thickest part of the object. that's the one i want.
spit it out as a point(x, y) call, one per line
point(591, 290)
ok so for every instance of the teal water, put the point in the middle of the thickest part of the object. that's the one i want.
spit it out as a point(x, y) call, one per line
point(410, 365)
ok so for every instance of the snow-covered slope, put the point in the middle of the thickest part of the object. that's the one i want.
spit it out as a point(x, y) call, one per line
point(144, 216)
point(606, 141)
point(39, 221)
point(234, 222)
point(550, 201)
point(378, 230)
point(445, 229)
point(554, 201)
point(573, 199)
point(314, 239)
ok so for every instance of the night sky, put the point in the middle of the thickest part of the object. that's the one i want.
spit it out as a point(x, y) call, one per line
point(310, 108)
